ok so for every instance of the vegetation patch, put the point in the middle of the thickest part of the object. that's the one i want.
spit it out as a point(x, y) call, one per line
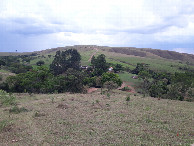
point(5, 125)
point(7, 98)
point(17, 110)
point(38, 114)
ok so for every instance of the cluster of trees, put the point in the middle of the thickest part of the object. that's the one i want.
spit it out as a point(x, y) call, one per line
point(179, 86)
point(64, 60)
point(64, 75)
point(13, 64)
point(100, 65)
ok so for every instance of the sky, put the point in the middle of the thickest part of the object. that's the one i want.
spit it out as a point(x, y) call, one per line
point(32, 25)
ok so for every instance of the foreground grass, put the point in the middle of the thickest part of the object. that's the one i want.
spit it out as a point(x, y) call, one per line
point(95, 119)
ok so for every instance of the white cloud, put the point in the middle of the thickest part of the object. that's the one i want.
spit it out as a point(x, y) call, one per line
point(184, 50)
point(103, 22)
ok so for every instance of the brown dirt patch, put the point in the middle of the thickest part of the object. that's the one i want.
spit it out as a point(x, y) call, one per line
point(125, 85)
point(90, 90)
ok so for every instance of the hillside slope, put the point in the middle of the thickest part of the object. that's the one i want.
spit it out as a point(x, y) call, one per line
point(159, 60)
point(139, 52)
point(94, 119)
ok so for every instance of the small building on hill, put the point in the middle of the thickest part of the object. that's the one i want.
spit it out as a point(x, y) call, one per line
point(135, 77)
point(84, 67)
point(110, 69)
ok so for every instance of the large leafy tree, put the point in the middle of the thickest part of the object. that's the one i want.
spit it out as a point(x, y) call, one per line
point(107, 77)
point(74, 80)
point(64, 60)
point(100, 65)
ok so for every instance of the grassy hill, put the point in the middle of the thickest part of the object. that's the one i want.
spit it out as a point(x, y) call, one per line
point(161, 60)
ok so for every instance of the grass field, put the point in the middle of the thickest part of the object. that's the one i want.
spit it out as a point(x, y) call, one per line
point(127, 77)
point(95, 119)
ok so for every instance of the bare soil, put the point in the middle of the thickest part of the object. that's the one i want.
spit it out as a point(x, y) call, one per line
point(126, 84)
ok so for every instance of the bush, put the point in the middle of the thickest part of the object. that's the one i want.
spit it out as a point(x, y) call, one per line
point(107, 77)
point(17, 110)
point(128, 99)
point(74, 81)
point(126, 89)
point(7, 99)
point(4, 124)
point(173, 93)
point(91, 82)
point(110, 85)
point(190, 95)
point(39, 63)
point(39, 80)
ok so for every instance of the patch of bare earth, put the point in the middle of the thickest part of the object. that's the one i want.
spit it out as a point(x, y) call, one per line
point(90, 90)
point(124, 84)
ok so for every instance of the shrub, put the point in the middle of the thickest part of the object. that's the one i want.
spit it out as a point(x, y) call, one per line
point(107, 77)
point(17, 110)
point(126, 89)
point(7, 99)
point(74, 81)
point(4, 124)
point(110, 85)
point(128, 99)
point(39, 63)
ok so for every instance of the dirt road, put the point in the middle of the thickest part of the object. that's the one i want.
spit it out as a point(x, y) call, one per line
point(93, 54)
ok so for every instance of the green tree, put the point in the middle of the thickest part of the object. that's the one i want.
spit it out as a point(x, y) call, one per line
point(40, 63)
point(118, 68)
point(140, 67)
point(2, 63)
point(158, 88)
point(64, 60)
point(75, 80)
point(144, 75)
point(146, 83)
point(110, 85)
point(107, 77)
point(32, 81)
point(100, 65)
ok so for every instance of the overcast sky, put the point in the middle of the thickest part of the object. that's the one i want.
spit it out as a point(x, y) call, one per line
point(31, 25)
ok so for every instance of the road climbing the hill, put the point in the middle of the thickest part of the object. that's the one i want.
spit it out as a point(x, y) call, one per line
point(93, 54)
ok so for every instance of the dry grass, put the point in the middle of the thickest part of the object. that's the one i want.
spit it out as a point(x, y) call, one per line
point(95, 119)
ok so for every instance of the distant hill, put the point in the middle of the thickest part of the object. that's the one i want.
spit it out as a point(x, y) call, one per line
point(154, 53)
point(138, 52)
point(162, 60)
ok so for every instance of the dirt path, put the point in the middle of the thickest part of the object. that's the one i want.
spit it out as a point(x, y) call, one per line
point(125, 85)
point(93, 54)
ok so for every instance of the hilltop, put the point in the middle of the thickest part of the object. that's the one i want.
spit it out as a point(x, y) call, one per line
point(133, 51)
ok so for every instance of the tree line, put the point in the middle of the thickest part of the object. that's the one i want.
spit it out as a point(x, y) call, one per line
point(63, 75)
point(178, 86)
